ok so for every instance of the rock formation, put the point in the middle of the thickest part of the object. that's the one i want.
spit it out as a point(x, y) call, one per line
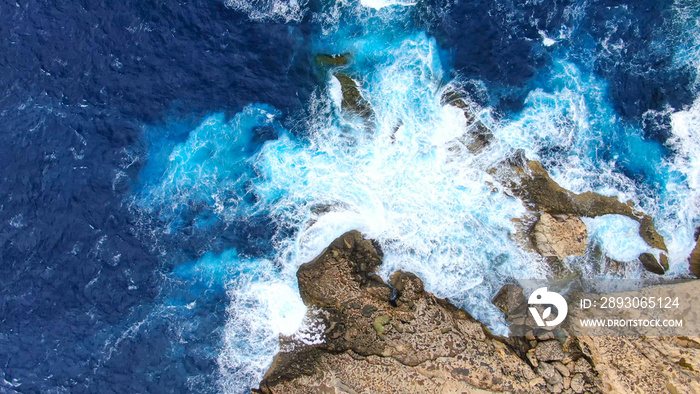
point(640, 360)
point(532, 184)
point(478, 136)
point(560, 236)
point(389, 340)
point(695, 259)
point(332, 60)
point(399, 339)
point(352, 98)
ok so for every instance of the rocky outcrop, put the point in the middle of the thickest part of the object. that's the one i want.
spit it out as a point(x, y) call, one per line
point(383, 338)
point(694, 259)
point(560, 235)
point(639, 360)
point(478, 136)
point(646, 364)
point(538, 188)
point(532, 184)
point(352, 98)
point(332, 60)
point(399, 338)
point(652, 264)
point(650, 362)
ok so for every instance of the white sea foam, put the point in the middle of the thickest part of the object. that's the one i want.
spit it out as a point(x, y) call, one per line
point(618, 236)
point(574, 117)
point(264, 305)
point(263, 10)
point(546, 41)
point(686, 191)
point(433, 213)
point(379, 4)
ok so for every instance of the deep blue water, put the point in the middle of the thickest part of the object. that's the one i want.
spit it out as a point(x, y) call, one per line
point(138, 148)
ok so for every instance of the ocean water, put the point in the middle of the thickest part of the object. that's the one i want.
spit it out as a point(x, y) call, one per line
point(168, 166)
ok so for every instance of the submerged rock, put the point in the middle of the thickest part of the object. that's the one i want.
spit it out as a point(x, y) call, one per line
point(478, 135)
point(352, 98)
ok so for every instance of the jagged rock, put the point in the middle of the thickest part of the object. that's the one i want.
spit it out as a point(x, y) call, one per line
point(507, 297)
point(651, 264)
point(332, 60)
point(399, 338)
point(478, 135)
point(534, 186)
point(695, 259)
point(560, 236)
point(352, 98)
point(426, 344)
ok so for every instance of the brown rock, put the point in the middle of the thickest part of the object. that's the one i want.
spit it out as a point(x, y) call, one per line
point(332, 60)
point(644, 360)
point(508, 297)
point(646, 364)
point(695, 259)
point(534, 185)
point(651, 264)
point(549, 351)
point(352, 98)
point(411, 342)
point(560, 236)
point(415, 342)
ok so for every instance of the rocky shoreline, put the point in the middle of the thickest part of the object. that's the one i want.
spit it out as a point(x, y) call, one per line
point(395, 337)
point(398, 338)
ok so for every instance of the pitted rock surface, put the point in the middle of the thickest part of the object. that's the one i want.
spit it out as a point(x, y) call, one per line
point(407, 340)
point(397, 338)
point(560, 236)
